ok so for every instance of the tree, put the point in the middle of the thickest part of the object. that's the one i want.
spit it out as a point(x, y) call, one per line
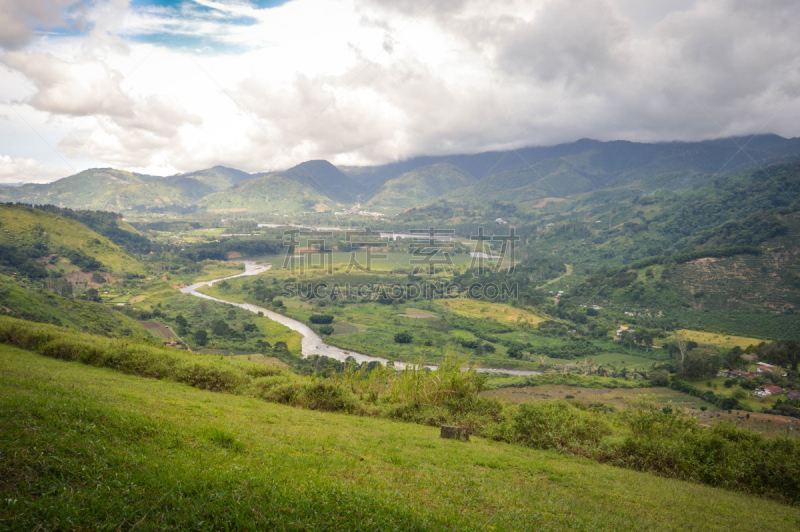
point(700, 363)
point(181, 321)
point(93, 295)
point(627, 339)
point(403, 337)
point(98, 279)
point(219, 328)
point(201, 337)
point(733, 358)
point(325, 329)
point(659, 377)
point(682, 344)
point(515, 351)
point(321, 319)
point(281, 347)
point(643, 337)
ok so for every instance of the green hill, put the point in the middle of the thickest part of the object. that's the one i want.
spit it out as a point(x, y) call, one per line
point(421, 186)
point(218, 178)
point(46, 307)
point(35, 234)
point(326, 179)
point(586, 165)
point(722, 257)
point(109, 189)
point(523, 176)
point(276, 192)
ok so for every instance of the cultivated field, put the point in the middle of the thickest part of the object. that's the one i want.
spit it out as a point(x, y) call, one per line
point(159, 330)
point(720, 340)
point(616, 397)
point(481, 309)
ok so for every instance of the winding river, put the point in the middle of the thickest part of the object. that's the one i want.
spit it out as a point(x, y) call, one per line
point(312, 343)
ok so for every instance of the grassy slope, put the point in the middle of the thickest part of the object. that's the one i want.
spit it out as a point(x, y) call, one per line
point(75, 314)
point(16, 220)
point(88, 447)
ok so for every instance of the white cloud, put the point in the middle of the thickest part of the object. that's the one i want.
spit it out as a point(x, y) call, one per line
point(26, 170)
point(18, 20)
point(368, 81)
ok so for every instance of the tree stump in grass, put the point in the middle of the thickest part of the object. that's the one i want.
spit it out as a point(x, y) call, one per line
point(455, 433)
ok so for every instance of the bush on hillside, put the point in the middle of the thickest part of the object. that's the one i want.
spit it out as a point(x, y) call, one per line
point(403, 337)
point(557, 425)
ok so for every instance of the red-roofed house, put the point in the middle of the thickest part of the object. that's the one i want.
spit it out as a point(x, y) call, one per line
point(769, 368)
point(767, 391)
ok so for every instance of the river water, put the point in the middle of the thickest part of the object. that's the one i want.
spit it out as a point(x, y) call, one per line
point(312, 343)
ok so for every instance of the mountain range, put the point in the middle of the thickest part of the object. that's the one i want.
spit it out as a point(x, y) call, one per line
point(522, 176)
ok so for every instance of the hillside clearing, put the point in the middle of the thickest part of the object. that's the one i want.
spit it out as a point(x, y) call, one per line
point(720, 340)
point(480, 309)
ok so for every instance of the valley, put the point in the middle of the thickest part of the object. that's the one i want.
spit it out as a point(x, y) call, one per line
point(313, 266)
point(600, 316)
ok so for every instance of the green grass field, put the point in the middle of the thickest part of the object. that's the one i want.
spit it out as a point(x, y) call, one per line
point(84, 447)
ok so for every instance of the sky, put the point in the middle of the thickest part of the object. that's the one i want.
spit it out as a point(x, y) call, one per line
point(163, 86)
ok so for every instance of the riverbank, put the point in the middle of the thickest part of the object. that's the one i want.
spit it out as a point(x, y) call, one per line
point(312, 343)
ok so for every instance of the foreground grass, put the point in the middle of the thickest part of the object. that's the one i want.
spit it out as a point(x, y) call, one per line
point(88, 447)
point(643, 438)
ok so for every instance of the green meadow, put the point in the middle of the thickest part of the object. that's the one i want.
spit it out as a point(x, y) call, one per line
point(90, 448)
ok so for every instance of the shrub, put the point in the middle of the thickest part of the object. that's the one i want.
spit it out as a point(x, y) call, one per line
point(201, 337)
point(659, 377)
point(327, 396)
point(557, 424)
point(325, 329)
point(403, 337)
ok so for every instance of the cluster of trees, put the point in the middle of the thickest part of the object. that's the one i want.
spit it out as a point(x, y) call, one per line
point(246, 247)
point(783, 353)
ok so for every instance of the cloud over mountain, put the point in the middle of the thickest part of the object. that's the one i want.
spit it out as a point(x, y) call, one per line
point(172, 87)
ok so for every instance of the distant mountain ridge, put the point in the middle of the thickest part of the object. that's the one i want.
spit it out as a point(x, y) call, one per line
point(523, 175)
point(423, 184)
point(218, 177)
point(113, 190)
